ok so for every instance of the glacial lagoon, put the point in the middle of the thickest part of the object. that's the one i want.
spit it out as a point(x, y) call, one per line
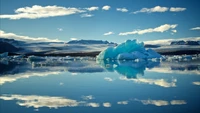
point(84, 85)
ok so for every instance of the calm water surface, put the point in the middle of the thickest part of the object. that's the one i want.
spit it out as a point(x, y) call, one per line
point(87, 86)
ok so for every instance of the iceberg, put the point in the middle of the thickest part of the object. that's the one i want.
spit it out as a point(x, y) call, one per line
point(129, 50)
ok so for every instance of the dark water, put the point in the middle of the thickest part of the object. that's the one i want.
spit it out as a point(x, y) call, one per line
point(84, 86)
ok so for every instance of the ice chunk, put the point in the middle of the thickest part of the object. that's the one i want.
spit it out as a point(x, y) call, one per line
point(125, 56)
point(137, 54)
point(4, 55)
point(18, 56)
point(130, 49)
point(35, 59)
point(152, 54)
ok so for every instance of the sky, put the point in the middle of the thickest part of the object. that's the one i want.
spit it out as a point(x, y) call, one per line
point(112, 20)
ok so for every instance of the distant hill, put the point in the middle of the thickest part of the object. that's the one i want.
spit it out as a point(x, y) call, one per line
point(185, 42)
point(6, 47)
point(151, 46)
point(23, 43)
point(12, 41)
point(89, 42)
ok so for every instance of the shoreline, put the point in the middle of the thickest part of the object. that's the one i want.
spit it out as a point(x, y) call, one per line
point(95, 53)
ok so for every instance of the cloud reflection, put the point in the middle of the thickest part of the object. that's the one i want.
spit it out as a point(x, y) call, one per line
point(89, 97)
point(92, 104)
point(12, 78)
point(161, 102)
point(107, 104)
point(122, 102)
point(189, 67)
point(196, 83)
point(158, 82)
point(42, 101)
point(177, 102)
point(47, 101)
point(108, 79)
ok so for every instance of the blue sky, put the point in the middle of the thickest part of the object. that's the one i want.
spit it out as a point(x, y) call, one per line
point(120, 20)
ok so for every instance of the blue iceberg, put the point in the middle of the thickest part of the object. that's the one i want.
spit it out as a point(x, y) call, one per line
point(129, 50)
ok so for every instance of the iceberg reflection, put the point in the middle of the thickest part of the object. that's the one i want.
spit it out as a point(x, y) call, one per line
point(129, 68)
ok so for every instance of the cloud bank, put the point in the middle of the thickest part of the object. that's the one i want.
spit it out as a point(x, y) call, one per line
point(108, 33)
point(161, 29)
point(195, 28)
point(159, 9)
point(37, 11)
point(26, 38)
point(86, 15)
point(169, 40)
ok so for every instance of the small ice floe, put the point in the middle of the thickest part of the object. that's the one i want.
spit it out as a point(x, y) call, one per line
point(129, 50)
point(69, 58)
point(3, 55)
point(18, 56)
point(35, 59)
point(180, 58)
point(4, 58)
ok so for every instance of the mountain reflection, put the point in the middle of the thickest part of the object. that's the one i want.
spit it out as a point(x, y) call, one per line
point(15, 70)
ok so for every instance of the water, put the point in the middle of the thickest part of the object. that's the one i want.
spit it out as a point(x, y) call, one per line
point(87, 86)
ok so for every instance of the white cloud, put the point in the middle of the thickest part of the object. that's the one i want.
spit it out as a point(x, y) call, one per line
point(73, 38)
point(92, 8)
point(168, 41)
point(26, 38)
point(86, 15)
point(108, 33)
point(37, 11)
point(107, 104)
point(160, 9)
point(158, 82)
point(122, 102)
point(60, 29)
point(174, 31)
point(89, 97)
point(106, 7)
point(177, 9)
point(161, 29)
point(108, 79)
point(196, 83)
point(122, 9)
point(151, 10)
point(195, 28)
